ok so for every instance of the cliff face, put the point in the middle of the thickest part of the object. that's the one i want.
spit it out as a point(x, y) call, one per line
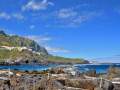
point(14, 47)
point(16, 41)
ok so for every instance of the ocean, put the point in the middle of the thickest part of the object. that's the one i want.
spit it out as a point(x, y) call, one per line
point(100, 68)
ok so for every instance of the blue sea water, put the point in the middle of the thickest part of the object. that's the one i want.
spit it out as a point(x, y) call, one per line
point(27, 67)
point(100, 68)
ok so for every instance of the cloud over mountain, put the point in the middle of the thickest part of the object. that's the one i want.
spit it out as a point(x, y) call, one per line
point(39, 39)
point(56, 50)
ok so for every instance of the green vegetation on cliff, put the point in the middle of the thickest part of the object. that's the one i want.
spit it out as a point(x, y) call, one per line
point(38, 53)
point(58, 59)
point(19, 55)
point(16, 41)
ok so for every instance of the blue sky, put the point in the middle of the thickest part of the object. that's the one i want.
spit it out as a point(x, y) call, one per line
point(71, 28)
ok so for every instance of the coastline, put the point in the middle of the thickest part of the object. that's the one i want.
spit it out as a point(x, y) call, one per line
point(65, 75)
point(98, 68)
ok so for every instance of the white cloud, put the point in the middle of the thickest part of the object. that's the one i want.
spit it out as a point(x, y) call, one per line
point(8, 16)
point(66, 13)
point(39, 39)
point(82, 18)
point(44, 40)
point(32, 26)
point(18, 16)
point(4, 15)
point(109, 59)
point(70, 17)
point(56, 50)
point(34, 5)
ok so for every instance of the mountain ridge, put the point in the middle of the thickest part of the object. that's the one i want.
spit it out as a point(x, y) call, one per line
point(17, 41)
point(23, 49)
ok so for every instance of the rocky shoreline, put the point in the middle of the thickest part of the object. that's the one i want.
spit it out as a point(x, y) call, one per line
point(59, 78)
point(44, 62)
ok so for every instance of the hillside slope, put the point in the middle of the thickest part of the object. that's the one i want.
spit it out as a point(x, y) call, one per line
point(15, 48)
point(16, 41)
